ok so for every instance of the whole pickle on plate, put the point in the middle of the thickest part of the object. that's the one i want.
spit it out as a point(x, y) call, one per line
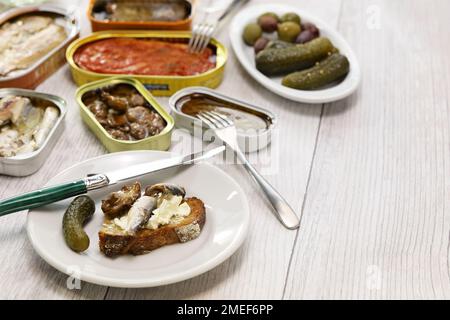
point(281, 61)
point(325, 72)
point(80, 210)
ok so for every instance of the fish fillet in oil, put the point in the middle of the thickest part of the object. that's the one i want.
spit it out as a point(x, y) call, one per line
point(26, 40)
point(24, 126)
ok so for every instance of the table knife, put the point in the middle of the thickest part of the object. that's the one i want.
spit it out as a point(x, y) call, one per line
point(91, 182)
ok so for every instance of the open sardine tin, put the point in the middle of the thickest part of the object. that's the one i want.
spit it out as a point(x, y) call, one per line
point(97, 6)
point(28, 163)
point(158, 85)
point(44, 67)
point(248, 140)
point(160, 141)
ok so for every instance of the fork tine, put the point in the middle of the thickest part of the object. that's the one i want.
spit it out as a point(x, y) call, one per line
point(193, 36)
point(227, 120)
point(216, 118)
point(205, 38)
point(217, 123)
point(206, 120)
point(196, 32)
point(202, 30)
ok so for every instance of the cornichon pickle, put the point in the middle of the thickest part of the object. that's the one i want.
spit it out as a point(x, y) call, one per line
point(299, 57)
point(325, 72)
point(80, 210)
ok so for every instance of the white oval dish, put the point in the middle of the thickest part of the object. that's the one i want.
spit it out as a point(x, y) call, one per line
point(227, 220)
point(246, 56)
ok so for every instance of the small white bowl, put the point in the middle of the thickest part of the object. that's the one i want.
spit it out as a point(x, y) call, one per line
point(246, 56)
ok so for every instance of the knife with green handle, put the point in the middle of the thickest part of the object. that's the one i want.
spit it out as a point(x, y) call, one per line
point(91, 182)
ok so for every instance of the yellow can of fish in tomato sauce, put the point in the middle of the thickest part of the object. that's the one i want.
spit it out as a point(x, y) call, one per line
point(159, 85)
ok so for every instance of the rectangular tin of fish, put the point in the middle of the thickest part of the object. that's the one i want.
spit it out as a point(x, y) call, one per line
point(158, 85)
point(37, 72)
point(248, 140)
point(160, 141)
point(29, 163)
point(96, 6)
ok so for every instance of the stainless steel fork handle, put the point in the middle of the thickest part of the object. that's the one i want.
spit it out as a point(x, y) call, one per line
point(283, 211)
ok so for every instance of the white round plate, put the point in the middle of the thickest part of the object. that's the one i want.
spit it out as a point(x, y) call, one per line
point(227, 219)
point(246, 55)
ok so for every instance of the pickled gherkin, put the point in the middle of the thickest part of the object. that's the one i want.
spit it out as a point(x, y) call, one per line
point(80, 210)
point(325, 72)
point(281, 61)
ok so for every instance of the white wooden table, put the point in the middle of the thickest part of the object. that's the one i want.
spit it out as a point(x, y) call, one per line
point(368, 175)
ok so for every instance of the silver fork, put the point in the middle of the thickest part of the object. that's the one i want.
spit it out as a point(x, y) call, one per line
point(226, 131)
point(202, 32)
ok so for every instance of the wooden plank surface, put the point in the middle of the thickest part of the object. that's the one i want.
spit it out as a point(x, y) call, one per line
point(368, 173)
point(376, 219)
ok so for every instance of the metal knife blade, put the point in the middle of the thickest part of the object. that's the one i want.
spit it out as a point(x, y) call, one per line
point(66, 190)
point(146, 168)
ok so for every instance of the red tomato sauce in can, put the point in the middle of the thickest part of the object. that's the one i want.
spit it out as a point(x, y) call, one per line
point(143, 57)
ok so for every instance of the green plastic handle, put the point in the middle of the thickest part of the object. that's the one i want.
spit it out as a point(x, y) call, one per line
point(42, 197)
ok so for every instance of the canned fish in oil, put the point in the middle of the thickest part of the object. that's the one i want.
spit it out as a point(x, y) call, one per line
point(254, 124)
point(39, 70)
point(28, 163)
point(166, 15)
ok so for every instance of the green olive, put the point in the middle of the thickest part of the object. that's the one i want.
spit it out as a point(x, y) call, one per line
point(270, 14)
point(291, 17)
point(80, 210)
point(252, 32)
point(288, 31)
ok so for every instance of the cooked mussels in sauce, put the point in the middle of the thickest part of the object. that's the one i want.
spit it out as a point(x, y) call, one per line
point(150, 10)
point(243, 118)
point(124, 112)
point(25, 124)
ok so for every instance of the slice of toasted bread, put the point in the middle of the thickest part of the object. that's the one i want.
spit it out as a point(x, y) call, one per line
point(114, 241)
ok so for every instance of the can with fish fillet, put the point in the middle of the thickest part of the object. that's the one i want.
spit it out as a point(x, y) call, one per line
point(30, 125)
point(141, 14)
point(33, 41)
point(158, 59)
